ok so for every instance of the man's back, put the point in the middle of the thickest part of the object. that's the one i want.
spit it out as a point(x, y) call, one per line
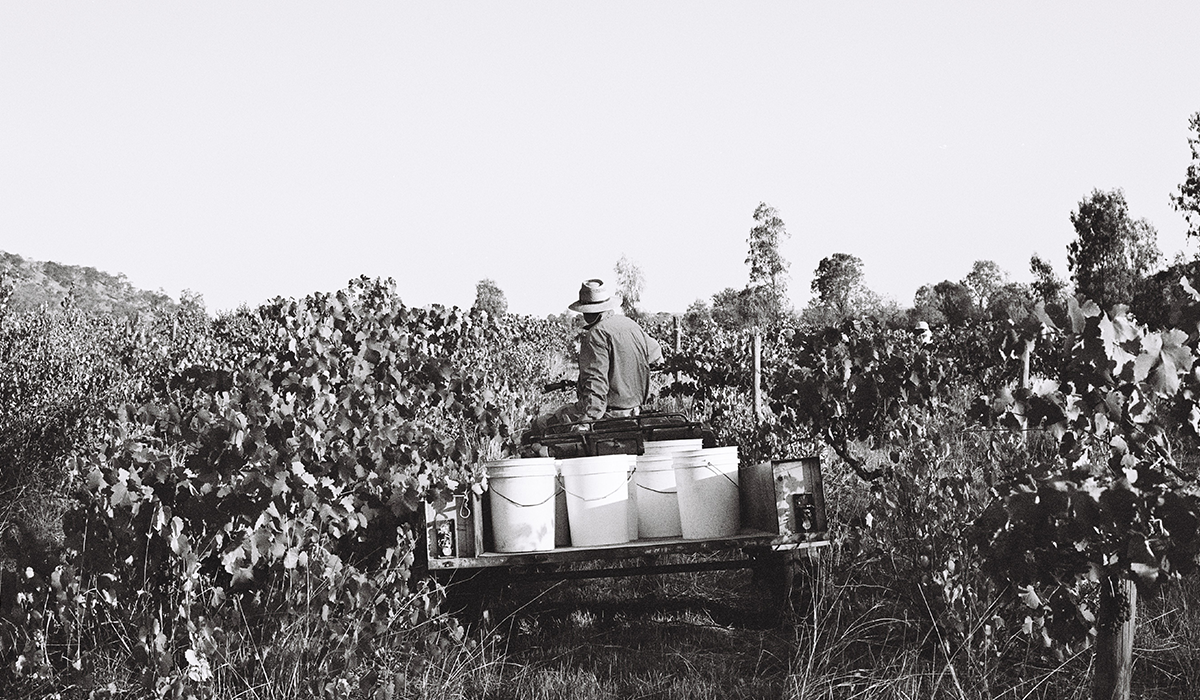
point(614, 366)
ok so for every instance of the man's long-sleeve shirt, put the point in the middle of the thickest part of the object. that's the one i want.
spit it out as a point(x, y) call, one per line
point(614, 366)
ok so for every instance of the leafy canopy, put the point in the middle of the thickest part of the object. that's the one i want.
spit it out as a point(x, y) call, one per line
point(1111, 252)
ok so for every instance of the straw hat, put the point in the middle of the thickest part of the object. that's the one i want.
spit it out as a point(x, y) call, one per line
point(594, 297)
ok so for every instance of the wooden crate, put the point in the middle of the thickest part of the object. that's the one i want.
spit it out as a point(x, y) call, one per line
point(455, 531)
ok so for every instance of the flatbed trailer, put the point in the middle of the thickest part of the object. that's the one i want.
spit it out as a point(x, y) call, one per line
point(782, 522)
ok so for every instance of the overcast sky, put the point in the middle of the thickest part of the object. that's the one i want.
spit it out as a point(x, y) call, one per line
point(246, 150)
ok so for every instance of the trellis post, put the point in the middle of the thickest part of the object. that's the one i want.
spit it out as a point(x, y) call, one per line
point(757, 375)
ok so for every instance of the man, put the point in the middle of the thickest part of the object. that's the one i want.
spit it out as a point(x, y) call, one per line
point(615, 356)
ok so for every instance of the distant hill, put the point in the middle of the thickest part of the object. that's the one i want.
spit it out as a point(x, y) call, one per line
point(35, 284)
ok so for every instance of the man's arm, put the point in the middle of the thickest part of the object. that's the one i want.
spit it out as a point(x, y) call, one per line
point(594, 359)
point(653, 351)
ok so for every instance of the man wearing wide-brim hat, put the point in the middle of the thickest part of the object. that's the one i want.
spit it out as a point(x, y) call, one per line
point(615, 356)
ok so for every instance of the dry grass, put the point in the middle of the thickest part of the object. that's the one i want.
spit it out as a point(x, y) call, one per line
point(701, 636)
point(670, 636)
point(695, 635)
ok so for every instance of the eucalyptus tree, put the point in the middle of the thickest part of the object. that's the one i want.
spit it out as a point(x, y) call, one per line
point(1111, 253)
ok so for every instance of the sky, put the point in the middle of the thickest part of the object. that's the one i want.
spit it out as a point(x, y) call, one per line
point(247, 150)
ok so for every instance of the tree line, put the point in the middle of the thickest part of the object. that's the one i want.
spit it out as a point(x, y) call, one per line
point(1114, 259)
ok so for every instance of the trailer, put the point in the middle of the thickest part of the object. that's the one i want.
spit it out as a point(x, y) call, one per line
point(782, 523)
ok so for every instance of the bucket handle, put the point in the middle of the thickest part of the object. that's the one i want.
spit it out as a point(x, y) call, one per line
point(610, 493)
point(714, 470)
point(672, 492)
point(542, 502)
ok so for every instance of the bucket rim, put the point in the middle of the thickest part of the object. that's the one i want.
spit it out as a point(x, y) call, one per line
point(532, 467)
point(595, 459)
point(520, 472)
point(593, 469)
point(518, 462)
point(655, 462)
point(711, 452)
point(699, 460)
point(672, 443)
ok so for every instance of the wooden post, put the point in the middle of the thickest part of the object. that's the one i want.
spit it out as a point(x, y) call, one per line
point(1114, 639)
point(757, 375)
point(678, 343)
point(1026, 352)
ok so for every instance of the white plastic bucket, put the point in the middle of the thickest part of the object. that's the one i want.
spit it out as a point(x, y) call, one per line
point(657, 499)
point(597, 498)
point(707, 481)
point(521, 500)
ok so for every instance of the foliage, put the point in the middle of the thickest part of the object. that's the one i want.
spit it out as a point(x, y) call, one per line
point(983, 294)
point(839, 386)
point(630, 283)
point(61, 371)
point(1161, 295)
point(697, 317)
point(954, 301)
point(904, 541)
point(851, 385)
point(258, 492)
point(247, 507)
point(517, 355)
point(974, 299)
point(1111, 253)
point(709, 361)
point(1110, 503)
point(1187, 201)
point(1092, 495)
point(763, 301)
point(892, 406)
point(734, 309)
point(45, 285)
point(1012, 300)
point(768, 268)
point(490, 299)
point(984, 282)
point(838, 284)
point(1047, 285)
point(927, 306)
